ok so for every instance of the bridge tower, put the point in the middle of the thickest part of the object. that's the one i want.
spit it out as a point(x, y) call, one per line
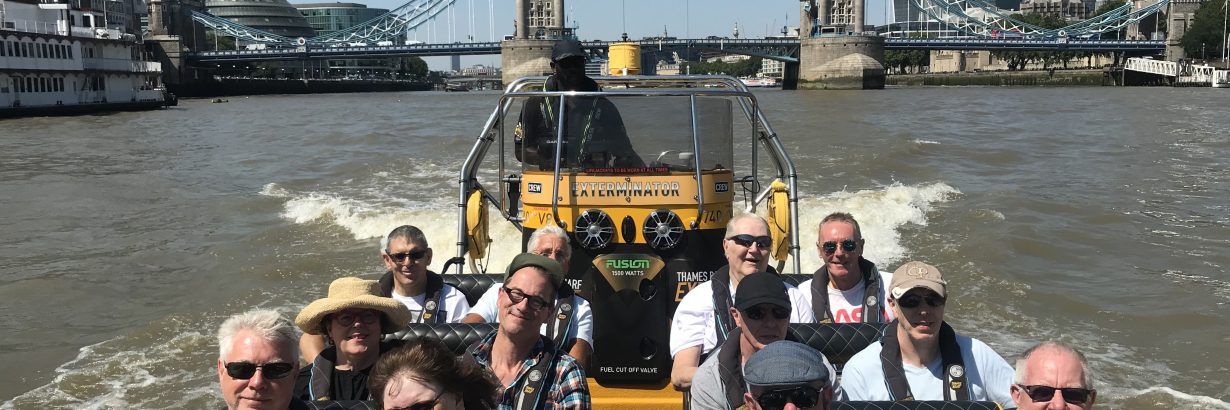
point(173, 34)
point(834, 53)
point(1179, 16)
point(538, 23)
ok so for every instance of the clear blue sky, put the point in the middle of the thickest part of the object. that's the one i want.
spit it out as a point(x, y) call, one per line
point(606, 19)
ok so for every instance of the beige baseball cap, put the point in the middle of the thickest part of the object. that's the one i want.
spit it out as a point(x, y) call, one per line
point(915, 274)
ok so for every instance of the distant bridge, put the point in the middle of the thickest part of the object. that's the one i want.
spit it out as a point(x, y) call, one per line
point(1176, 72)
point(775, 49)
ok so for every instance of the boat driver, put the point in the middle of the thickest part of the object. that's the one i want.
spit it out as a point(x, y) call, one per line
point(595, 136)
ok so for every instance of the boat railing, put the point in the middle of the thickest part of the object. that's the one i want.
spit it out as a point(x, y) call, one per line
point(635, 86)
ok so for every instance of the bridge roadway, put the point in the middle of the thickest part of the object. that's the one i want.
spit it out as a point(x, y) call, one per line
point(777, 49)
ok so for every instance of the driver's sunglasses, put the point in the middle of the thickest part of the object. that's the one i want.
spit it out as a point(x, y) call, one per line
point(400, 257)
point(245, 370)
point(517, 295)
point(913, 301)
point(758, 313)
point(1074, 395)
point(746, 241)
point(803, 397)
point(848, 245)
point(422, 405)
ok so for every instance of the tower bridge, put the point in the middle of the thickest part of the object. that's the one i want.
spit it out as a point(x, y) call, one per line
point(832, 51)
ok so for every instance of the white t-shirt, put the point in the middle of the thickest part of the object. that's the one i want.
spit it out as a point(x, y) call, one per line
point(454, 304)
point(582, 326)
point(989, 376)
point(847, 305)
point(693, 322)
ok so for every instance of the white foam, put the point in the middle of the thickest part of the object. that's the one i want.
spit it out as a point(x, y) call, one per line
point(920, 141)
point(880, 213)
point(1184, 400)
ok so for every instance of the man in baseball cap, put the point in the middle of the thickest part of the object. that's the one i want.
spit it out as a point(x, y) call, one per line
point(920, 357)
point(761, 314)
point(788, 375)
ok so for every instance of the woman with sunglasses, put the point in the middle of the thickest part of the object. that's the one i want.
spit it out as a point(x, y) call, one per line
point(352, 318)
point(425, 375)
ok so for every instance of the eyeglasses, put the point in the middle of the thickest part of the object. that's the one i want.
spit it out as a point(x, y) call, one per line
point(848, 245)
point(245, 370)
point(1074, 395)
point(556, 254)
point(912, 301)
point(348, 318)
point(757, 313)
point(746, 241)
point(516, 296)
point(401, 256)
point(803, 397)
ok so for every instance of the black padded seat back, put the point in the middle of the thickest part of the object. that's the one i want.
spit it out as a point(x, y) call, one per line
point(342, 405)
point(838, 341)
point(916, 405)
point(456, 336)
point(794, 279)
point(473, 286)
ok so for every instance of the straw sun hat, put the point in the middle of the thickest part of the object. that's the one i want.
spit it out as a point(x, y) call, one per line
point(353, 293)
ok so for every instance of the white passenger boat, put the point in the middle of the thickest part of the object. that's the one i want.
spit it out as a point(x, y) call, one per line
point(58, 58)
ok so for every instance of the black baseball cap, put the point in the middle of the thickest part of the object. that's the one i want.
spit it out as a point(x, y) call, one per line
point(550, 266)
point(761, 287)
point(566, 48)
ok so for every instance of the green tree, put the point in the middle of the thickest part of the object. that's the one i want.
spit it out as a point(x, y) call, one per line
point(1207, 34)
point(1017, 59)
point(745, 68)
point(411, 67)
point(905, 61)
point(222, 42)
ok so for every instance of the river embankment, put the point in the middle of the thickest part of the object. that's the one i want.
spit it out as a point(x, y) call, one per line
point(1060, 78)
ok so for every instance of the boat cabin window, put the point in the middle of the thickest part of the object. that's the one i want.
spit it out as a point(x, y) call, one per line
point(622, 133)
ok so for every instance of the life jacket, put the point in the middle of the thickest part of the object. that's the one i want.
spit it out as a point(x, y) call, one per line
point(730, 367)
point(871, 293)
point(533, 391)
point(722, 299)
point(431, 302)
point(956, 387)
point(320, 383)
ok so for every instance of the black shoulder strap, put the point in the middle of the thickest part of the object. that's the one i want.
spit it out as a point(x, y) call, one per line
point(730, 370)
point(533, 392)
point(950, 353)
point(386, 284)
point(954, 365)
point(557, 329)
point(871, 291)
point(820, 295)
point(431, 299)
point(723, 322)
point(890, 362)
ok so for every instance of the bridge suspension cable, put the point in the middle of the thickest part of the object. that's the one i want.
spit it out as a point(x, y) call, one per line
point(386, 27)
point(990, 22)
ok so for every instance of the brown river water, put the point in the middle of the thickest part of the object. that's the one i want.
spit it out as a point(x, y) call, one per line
point(1095, 215)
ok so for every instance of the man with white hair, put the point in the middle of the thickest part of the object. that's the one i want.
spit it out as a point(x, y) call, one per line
point(257, 351)
point(1053, 376)
point(703, 319)
point(573, 329)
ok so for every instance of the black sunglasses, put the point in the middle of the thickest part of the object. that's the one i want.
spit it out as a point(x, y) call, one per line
point(517, 295)
point(347, 319)
point(746, 241)
point(848, 245)
point(803, 397)
point(1074, 395)
point(245, 370)
point(414, 256)
point(912, 301)
point(757, 313)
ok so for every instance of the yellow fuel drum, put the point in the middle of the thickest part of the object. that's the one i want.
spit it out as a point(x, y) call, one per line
point(625, 59)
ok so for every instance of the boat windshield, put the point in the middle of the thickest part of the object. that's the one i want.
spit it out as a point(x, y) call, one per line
point(622, 133)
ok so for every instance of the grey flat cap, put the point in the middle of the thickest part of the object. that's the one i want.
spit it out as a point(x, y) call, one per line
point(786, 363)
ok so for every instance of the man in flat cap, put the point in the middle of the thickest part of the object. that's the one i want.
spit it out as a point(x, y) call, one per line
point(533, 373)
point(788, 375)
point(594, 134)
point(920, 357)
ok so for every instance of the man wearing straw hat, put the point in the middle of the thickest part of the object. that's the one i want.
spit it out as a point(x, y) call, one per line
point(533, 373)
point(352, 317)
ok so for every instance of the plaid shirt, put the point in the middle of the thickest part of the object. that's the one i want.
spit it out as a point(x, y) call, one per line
point(569, 390)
